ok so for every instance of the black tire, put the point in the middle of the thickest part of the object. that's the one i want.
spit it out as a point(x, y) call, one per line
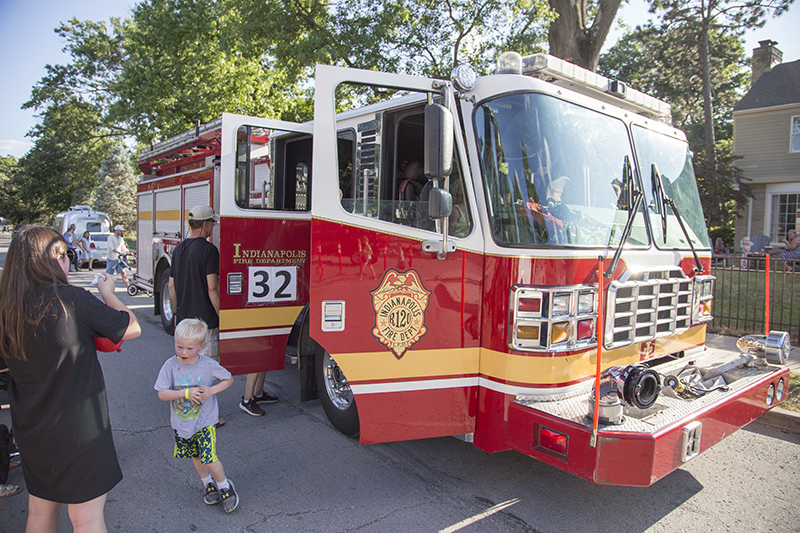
point(167, 316)
point(335, 394)
point(132, 290)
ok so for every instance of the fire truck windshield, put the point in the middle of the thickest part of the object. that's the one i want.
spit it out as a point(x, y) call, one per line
point(556, 174)
point(674, 163)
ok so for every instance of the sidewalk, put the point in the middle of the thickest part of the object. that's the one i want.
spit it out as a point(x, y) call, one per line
point(777, 417)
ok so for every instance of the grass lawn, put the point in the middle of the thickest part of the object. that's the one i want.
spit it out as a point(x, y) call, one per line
point(792, 403)
point(739, 304)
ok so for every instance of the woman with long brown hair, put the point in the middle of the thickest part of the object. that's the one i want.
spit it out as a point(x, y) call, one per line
point(57, 393)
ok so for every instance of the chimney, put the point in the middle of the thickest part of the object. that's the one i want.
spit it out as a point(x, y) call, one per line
point(765, 57)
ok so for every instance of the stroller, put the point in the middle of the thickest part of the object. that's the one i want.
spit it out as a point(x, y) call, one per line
point(133, 287)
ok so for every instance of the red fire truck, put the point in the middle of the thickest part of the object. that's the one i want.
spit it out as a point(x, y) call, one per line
point(518, 259)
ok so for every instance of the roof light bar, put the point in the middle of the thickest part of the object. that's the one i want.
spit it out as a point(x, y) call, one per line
point(579, 79)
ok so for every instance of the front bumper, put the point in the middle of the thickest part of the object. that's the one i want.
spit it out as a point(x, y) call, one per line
point(649, 444)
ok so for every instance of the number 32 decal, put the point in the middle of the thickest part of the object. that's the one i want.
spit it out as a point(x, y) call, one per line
point(272, 284)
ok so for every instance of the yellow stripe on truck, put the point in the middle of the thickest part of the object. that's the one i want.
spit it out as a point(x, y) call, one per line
point(168, 214)
point(367, 366)
point(258, 317)
point(528, 369)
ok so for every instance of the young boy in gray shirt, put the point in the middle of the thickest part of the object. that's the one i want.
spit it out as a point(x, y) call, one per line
point(187, 381)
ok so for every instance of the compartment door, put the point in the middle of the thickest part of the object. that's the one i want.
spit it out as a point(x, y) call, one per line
point(401, 324)
point(263, 238)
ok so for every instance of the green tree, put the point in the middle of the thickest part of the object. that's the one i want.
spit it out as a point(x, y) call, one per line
point(72, 136)
point(666, 64)
point(704, 18)
point(97, 58)
point(154, 75)
point(9, 207)
point(407, 36)
point(16, 201)
point(422, 37)
point(60, 167)
point(186, 60)
point(116, 192)
point(178, 61)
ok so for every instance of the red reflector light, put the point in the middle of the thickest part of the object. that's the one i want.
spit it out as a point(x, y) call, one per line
point(553, 441)
point(530, 305)
point(91, 245)
point(585, 329)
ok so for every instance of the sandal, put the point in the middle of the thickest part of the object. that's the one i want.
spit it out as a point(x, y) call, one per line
point(9, 490)
point(14, 464)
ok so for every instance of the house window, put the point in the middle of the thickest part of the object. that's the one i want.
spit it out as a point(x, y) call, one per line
point(794, 146)
point(785, 214)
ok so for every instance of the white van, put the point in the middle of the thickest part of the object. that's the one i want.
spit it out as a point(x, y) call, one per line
point(97, 223)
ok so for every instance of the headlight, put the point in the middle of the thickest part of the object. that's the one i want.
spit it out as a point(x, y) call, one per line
point(586, 303)
point(463, 78)
point(553, 319)
point(561, 305)
point(703, 296)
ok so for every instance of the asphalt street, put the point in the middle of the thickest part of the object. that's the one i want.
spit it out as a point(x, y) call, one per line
point(294, 472)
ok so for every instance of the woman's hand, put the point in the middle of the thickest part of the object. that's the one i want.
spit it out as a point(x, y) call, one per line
point(105, 285)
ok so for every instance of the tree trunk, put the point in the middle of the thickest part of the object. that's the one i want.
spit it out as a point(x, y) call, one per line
point(708, 102)
point(572, 38)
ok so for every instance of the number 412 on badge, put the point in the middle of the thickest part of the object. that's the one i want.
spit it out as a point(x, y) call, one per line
point(272, 284)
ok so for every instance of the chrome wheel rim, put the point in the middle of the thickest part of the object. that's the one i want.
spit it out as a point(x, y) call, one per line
point(166, 307)
point(336, 385)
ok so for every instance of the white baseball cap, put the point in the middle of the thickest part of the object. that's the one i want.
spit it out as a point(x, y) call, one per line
point(203, 212)
point(118, 228)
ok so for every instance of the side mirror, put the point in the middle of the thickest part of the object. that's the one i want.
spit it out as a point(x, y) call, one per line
point(440, 204)
point(438, 141)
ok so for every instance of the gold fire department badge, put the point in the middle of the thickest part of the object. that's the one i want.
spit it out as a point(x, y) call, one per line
point(400, 302)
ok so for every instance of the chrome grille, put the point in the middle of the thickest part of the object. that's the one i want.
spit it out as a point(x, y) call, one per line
point(648, 305)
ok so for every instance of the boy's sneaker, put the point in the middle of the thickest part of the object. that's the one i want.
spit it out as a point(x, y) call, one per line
point(265, 398)
point(211, 496)
point(251, 408)
point(230, 500)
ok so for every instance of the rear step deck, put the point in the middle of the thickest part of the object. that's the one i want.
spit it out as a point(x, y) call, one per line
point(667, 410)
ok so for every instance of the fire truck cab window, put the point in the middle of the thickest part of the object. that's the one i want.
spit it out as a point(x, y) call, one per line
point(273, 170)
point(388, 182)
point(555, 173)
point(673, 159)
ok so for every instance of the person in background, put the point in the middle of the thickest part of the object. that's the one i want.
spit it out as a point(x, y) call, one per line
point(69, 237)
point(57, 394)
point(194, 291)
point(792, 241)
point(747, 246)
point(117, 247)
point(85, 247)
point(719, 246)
